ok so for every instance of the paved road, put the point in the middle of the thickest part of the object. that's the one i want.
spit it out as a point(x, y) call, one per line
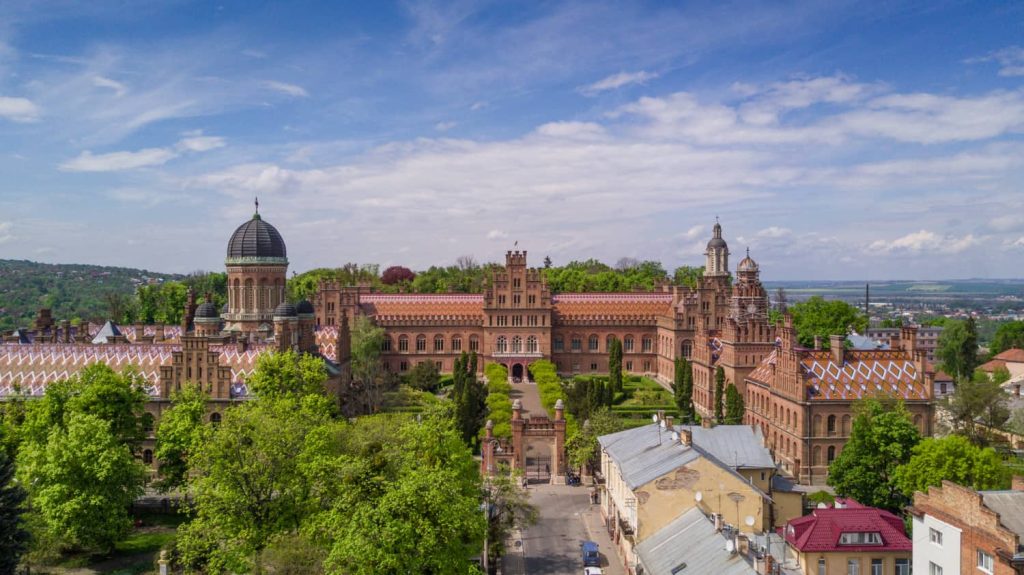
point(528, 394)
point(552, 546)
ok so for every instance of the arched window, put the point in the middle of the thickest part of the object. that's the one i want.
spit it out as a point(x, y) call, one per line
point(474, 343)
point(627, 344)
point(247, 300)
point(647, 345)
point(517, 344)
point(262, 294)
point(687, 348)
point(385, 344)
point(831, 454)
point(608, 342)
point(215, 418)
point(531, 344)
point(456, 343)
point(147, 457)
point(817, 426)
point(403, 343)
point(236, 296)
point(421, 343)
point(502, 345)
point(816, 458)
point(831, 425)
point(592, 343)
point(577, 343)
point(438, 343)
point(559, 343)
point(846, 425)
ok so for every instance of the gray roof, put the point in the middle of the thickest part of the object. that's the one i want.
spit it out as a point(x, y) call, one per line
point(646, 453)
point(690, 539)
point(1010, 507)
point(864, 342)
point(256, 239)
point(108, 329)
point(738, 446)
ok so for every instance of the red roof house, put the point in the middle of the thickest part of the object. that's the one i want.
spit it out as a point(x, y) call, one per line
point(835, 537)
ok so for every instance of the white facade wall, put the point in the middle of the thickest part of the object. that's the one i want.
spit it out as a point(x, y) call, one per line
point(946, 556)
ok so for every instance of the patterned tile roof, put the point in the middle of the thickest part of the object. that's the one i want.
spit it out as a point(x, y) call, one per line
point(821, 530)
point(863, 373)
point(608, 305)
point(33, 367)
point(445, 306)
point(327, 339)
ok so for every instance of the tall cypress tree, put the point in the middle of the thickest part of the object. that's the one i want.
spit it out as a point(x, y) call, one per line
point(14, 538)
point(683, 388)
point(615, 366)
point(734, 406)
point(719, 398)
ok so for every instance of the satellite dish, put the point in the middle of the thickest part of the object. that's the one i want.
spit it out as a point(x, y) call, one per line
point(654, 417)
point(749, 520)
point(663, 425)
point(698, 496)
point(675, 436)
point(730, 546)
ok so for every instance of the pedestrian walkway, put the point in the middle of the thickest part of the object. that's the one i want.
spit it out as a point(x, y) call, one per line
point(528, 394)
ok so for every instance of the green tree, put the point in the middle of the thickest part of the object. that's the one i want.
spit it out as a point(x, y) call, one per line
point(14, 537)
point(683, 388)
point(117, 398)
point(734, 407)
point(287, 373)
point(508, 507)
point(368, 378)
point(425, 376)
point(12, 418)
point(470, 397)
point(1008, 335)
point(952, 458)
point(719, 396)
point(82, 481)
point(957, 348)
point(178, 435)
point(583, 448)
point(688, 276)
point(820, 317)
point(977, 400)
point(615, 365)
point(882, 439)
point(1000, 375)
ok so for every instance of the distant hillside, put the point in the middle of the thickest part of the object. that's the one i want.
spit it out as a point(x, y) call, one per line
point(71, 290)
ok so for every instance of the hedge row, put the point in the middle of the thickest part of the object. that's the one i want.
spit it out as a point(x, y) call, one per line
point(499, 404)
point(549, 385)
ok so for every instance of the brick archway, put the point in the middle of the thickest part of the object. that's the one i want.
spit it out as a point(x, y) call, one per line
point(538, 444)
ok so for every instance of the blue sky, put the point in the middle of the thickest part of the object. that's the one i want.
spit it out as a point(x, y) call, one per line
point(838, 140)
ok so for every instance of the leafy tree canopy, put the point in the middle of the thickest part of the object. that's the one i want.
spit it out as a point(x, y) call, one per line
point(952, 458)
point(820, 317)
point(957, 348)
point(288, 373)
point(1008, 335)
point(179, 435)
point(14, 536)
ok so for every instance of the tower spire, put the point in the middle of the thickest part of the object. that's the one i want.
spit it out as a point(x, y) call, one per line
point(257, 205)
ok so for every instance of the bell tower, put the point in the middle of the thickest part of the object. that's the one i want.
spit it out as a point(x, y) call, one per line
point(717, 255)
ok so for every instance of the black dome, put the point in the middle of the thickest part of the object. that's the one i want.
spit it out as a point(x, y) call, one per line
point(207, 311)
point(285, 310)
point(304, 307)
point(717, 243)
point(256, 239)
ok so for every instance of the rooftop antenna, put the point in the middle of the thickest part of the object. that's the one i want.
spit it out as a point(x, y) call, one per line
point(867, 301)
point(257, 204)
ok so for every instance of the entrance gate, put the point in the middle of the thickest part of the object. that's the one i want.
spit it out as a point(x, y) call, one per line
point(538, 445)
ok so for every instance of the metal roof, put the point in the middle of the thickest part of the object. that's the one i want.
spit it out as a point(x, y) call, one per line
point(108, 329)
point(738, 446)
point(690, 540)
point(1010, 507)
point(256, 239)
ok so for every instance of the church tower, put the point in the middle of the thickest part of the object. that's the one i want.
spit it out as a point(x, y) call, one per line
point(717, 254)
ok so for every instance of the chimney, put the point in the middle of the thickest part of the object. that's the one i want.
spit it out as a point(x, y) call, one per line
point(817, 342)
point(489, 427)
point(686, 437)
point(894, 341)
point(706, 422)
point(517, 410)
point(837, 343)
point(1018, 483)
point(559, 410)
point(669, 420)
point(718, 522)
point(909, 336)
point(65, 326)
point(159, 332)
point(241, 345)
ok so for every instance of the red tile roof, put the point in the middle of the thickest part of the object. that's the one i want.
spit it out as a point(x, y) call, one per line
point(410, 306)
point(1012, 355)
point(990, 366)
point(612, 305)
point(820, 531)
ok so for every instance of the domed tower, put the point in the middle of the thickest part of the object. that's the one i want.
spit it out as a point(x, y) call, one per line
point(257, 265)
point(207, 320)
point(717, 254)
point(749, 298)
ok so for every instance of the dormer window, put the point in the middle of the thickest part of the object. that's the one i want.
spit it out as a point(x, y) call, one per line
point(861, 538)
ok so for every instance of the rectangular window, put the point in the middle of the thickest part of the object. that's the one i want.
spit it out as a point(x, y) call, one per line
point(532, 299)
point(515, 300)
point(876, 566)
point(934, 569)
point(821, 567)
point(629, 366)
point(985, 561)
point(438, 344)
point(531, 320)
point(577, 344)
point(403, 345)
point(593, 367)
point(439, 365)
point(501, 300)
point(559, 344)
point(456, 344)
point(647, 366)
point(517, 320)
point(421, 344)
point(515, 283)
point(647, 345)
point(403, 366)
point(853, 567)
point(903, 567)
point(935, 536)
point(474, 345)
point(575, 368)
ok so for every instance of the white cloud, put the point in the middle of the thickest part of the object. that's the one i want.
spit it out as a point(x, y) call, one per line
point(616, 81)
point(694, 232)
point(5, 232)
point(121, 161)
point(444, 126)
point(478, 106)
point(288, 89)
point(18, 109)
point(925, 241)
point(118, 88)
point(200, 143)
point(117, 161)
point(497, 235)
point(1008, 222)
point(774, 232)
point(1011, 60)
point(1018, 243)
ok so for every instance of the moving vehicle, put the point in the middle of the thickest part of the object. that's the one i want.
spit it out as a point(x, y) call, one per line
point(591, 556)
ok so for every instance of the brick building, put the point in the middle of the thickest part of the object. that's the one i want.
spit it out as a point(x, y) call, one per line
point(959, 530)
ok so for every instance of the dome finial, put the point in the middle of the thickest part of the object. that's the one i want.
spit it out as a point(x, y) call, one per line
point(257, 205)
point(748, 251)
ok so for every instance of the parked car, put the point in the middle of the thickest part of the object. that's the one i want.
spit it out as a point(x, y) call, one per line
point(592, 571)
point(591, 556)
